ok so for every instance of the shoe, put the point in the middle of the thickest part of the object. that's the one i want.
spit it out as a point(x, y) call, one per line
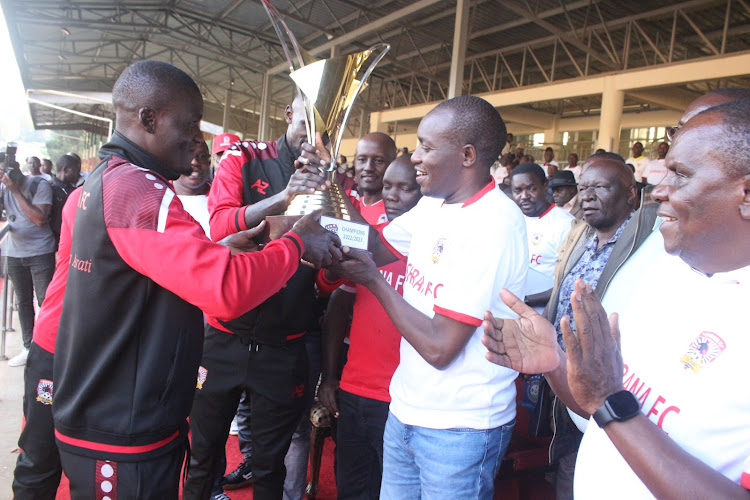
point(219, 495)
point(234, 429)
point(19, 359)
point(238, 478)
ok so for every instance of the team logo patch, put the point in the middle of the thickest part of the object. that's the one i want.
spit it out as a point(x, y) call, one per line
point(702, 351)
point(260, 186)
point(536, 238)
point(202, 374)
point(382, 219)
point(44, 391)
point(437, 250)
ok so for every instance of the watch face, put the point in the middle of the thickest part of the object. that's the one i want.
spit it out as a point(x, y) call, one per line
point(623, 405)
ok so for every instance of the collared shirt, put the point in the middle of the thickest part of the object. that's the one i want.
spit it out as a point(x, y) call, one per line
point(589, 267)
point(570, 204)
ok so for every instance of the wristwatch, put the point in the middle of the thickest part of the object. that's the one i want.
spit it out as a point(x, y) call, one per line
point(620, 406)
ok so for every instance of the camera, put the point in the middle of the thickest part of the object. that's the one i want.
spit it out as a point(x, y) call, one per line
point(12, 168)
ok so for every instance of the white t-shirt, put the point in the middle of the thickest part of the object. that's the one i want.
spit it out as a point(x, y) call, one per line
point(640, 165)
point(197, 207)
point(576, 172)
point(655, 171)
point(459, 258)
point(685, 360)
point(545, 235)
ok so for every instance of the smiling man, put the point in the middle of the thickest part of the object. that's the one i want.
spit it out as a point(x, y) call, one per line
point(375, 151)
point(451, 414)
point(360, 398)
point(124, 370)
point(192, 189)
point(665, 424)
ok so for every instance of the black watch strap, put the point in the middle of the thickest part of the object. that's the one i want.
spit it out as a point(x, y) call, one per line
point(619, 407)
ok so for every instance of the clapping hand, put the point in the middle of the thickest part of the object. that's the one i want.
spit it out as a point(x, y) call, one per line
point(527, 344)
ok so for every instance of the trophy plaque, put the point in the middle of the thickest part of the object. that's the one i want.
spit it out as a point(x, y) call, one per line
point(329, 88)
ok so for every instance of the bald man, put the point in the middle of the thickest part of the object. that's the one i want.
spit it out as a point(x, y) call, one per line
point(651, 378)
point(595, 248)
point(124, 370)
point(375, 151)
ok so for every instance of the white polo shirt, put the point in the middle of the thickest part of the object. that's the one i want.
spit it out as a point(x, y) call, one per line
point(640, 164)
point(685, 360)
point(459, 258)
point(655, 171)
point(545, 235)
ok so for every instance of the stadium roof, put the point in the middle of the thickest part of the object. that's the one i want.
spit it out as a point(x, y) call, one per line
point(77, 48)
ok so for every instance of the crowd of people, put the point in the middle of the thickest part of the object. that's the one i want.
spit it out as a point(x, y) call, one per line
point(481, 265)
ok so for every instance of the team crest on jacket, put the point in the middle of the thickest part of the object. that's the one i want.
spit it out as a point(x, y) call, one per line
point(437, 250)
point(536, 238)
point(703, 350)
point(202, 374)
point(44, 391)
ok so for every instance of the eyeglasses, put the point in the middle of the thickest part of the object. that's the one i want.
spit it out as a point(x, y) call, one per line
point(672, 130)
point(203, 157)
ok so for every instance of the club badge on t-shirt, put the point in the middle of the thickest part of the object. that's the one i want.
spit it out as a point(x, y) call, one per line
point(702, 351)
point(437, 250)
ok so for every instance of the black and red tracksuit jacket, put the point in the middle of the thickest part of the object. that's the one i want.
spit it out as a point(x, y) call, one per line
point(251, 171)
point(130, 335)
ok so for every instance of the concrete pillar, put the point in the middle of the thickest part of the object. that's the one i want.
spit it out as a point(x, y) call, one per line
point(362, 123)
point(375, 121)
point(335, 51)
point(611, 117)
point(265, 100)
point(227, 110)
point(553, 135)
point(460, 39)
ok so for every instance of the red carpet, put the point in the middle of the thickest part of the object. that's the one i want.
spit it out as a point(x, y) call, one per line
point(532, 487)
point(326, 483)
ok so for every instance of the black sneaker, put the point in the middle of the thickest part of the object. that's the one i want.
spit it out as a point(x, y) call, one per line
point(219, 495)
point(240, 477)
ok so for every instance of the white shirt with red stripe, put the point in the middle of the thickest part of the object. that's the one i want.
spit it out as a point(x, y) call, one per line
point(545, 235)
point(687, 363)
point(459, 258)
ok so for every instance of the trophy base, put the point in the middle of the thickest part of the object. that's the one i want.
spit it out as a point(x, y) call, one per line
point(351, 234)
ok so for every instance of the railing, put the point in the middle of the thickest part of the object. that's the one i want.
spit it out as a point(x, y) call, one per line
point(7, 312)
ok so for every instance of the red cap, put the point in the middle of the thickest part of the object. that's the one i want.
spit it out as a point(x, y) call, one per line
point(222, 142)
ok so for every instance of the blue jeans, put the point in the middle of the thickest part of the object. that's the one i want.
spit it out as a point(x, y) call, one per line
point(421, 463)
point(29, 274)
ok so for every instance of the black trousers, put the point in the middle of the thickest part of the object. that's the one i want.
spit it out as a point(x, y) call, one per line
point(275, 379)
point(150, 479)
point(38, 469)
point(29, 275)
point(359, 446)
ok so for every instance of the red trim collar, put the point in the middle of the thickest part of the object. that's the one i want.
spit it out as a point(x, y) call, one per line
point(486, 189)
point(548, 210)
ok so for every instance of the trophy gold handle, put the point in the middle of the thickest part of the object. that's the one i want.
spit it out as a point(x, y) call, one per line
point(383, 48)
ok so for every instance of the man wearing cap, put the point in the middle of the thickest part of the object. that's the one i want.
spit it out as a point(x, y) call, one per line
point(220, 144)
point(565, 192)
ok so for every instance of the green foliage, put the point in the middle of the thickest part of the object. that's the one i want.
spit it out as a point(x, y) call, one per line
point(59, 145)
